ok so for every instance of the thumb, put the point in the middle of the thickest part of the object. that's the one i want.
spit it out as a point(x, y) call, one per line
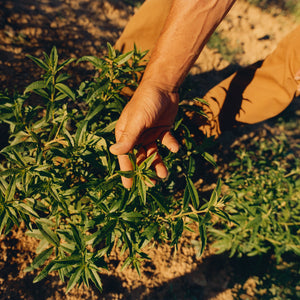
point(126, 139)
point(123, 146)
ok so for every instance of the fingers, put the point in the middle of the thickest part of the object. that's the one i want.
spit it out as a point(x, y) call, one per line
point(141, 155)
point(127, 133)
point(124, 145)
point(158, 165)
point(170, 142)
point(125, 165)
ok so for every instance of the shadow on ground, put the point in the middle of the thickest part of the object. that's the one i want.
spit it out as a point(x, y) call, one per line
point(76, 28)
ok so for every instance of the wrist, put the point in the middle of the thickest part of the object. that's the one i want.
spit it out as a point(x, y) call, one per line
point(159, 83)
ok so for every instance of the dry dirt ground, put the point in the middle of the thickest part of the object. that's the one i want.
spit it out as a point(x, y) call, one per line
point(82, 27)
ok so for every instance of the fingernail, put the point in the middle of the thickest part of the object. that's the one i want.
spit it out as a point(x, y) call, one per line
point(114, 147)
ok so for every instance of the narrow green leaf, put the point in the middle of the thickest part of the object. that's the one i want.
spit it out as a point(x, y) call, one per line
point(203, 237)
point(43, 274)
point(62, 77)
point(19, 158)
point(110, 127)
point(209, 158)
point(142, 190)
point(11, 172)
point(3, 221)
point(49, 111)
point(27, 209)
point(177, 232)
point(65, 90)
point(39, 62)
point(123, 58)
point(86, 276)
point(193, 192)
point(40, 259)
point(80, 132)
point(74, 279)
point(131, 216)
point(137, 266)
point(54, 58)
point(105, 231)
point(186, 197)
point(127, 174)
point(37, 85)
point(77, 237)
point(69, 138)
point(215, 195)
point(11, 189)
point(126, 263)
point(177, 124)
point(72, 260)
point(12, 212)
point(146, 164)
point(222, 214)
point(35, 233)
point(63, 64)
point(92, 113)
point(160, 200)
point(111, 51)
point(97, 62)
point(192, 166)
point(49, 235)
point(96, 278)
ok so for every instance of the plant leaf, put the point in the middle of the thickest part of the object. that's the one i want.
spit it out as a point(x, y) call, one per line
point(123, 58)
point(40, 259)
point(74, 278)
point(37, 85)
point(39, 62)
point(49, 235)
point(193, 192)
point(65, 90)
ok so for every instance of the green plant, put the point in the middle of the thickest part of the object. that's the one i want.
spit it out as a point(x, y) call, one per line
point(59, 178)
point(263, 238)
point(265, 188)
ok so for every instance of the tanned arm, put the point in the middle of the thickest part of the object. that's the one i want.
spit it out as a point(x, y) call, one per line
point(150, 113)
point(187, 30)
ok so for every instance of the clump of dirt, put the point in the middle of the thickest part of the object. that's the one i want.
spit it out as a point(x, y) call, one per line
point(83, 27)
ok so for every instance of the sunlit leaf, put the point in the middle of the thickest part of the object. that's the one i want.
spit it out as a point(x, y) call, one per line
point(65, 90)
point(39, 62)
point(192, 192)
point(49, 235)
point(39, 260)
point(96, 278)
point(37, 85)
point(111, 51)
point(44, 273)
point(74, 279)
point(123, 58)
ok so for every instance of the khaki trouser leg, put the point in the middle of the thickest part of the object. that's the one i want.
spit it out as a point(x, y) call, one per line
point(258, 92)
point(251, 95)
point(144, 28)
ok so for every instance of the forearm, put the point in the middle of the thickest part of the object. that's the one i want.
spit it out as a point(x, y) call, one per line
point(187, 29)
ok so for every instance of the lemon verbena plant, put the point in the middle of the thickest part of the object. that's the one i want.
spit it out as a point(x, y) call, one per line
point(58, 177)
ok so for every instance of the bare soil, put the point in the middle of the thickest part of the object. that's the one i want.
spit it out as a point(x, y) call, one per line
point(83, 27)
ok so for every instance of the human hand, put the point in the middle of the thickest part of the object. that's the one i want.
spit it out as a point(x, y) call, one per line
point(147, 117)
